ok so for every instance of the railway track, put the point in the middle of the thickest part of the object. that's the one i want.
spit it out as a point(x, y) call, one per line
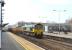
point(62, 39)
point(48, 43)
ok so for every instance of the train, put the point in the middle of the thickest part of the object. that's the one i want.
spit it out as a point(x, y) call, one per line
point(35, 31)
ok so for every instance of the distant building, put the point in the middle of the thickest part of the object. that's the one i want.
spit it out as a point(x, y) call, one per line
point(69, 21)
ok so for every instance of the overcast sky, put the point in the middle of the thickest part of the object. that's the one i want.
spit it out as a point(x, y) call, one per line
point(37, 10)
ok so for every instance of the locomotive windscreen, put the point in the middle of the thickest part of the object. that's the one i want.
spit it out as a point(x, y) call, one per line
point(38, 26)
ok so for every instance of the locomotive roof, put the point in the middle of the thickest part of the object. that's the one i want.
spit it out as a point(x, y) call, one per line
point(28, 26)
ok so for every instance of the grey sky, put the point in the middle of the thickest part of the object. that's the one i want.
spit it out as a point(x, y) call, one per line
point(37, 10)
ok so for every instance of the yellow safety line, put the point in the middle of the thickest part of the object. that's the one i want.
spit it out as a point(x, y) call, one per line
point(22, 45)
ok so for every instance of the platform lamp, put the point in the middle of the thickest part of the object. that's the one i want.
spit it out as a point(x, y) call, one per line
point(2, 5)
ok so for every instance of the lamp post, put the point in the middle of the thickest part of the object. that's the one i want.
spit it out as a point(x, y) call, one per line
point(59, 14)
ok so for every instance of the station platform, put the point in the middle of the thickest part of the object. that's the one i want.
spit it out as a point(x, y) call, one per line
point(61, 34)
point(0, 38)
point(25, 43)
